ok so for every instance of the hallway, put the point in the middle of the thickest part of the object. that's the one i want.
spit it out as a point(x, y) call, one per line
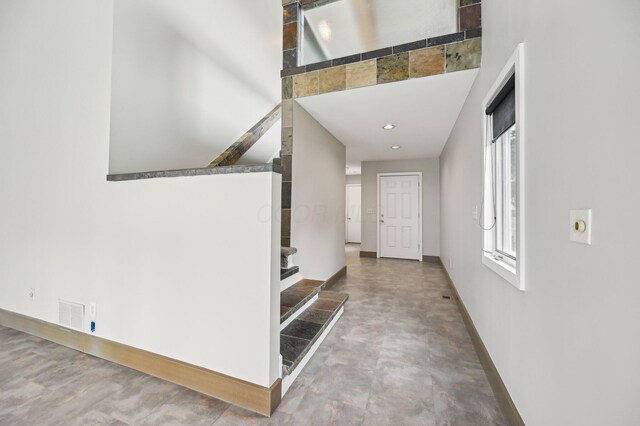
point(399, 356)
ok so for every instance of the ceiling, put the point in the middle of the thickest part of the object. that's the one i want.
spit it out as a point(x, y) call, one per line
point(424, 111)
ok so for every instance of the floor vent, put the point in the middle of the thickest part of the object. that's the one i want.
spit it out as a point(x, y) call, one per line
point(446, 297)
point(71, 315)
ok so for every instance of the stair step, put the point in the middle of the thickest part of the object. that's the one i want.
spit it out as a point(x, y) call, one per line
point(296, 296)
point(285, 273)
point(298, 337)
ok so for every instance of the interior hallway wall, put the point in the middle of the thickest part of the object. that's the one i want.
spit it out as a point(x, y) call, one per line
point(568, 347)
point(430, 169)
point(317, 198)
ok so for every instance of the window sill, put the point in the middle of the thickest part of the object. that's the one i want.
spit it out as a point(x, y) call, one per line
point(504, 269)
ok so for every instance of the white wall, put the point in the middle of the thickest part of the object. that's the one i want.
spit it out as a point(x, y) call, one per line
point(166, 260)
point(189, 78)
point(568, 347)
point(430, 169)
point(318, 198)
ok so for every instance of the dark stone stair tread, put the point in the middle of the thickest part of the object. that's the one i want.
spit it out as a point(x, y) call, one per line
point(293, 299)
point(291, 348)
point(301, 329)
point(315, 315)
point(308, 283)
point(308, 327)
point(286, 273)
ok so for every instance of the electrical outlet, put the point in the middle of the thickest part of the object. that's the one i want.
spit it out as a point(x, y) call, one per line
point(92, 309)
point(32, 293)
point(474, 212)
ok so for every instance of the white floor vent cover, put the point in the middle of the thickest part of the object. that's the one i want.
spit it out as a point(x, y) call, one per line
point(71, 315)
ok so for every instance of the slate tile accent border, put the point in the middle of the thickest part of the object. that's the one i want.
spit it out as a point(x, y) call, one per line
point(462, 54)
point(385, 52)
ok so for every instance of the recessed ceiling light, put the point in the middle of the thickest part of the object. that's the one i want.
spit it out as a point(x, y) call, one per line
point(389, 127)
point(396, 147)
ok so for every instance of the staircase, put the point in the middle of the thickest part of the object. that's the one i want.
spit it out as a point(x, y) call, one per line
point(307, 315)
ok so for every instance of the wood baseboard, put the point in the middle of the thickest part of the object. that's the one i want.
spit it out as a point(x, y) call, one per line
point(238, 392)
point(335, 278)
point(368, 254)
point(508, 408)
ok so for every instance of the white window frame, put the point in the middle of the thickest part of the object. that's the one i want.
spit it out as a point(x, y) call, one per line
point(512, 272)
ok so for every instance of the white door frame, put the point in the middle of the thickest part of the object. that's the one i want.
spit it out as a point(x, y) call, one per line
point(419, 174)
point(346, 224)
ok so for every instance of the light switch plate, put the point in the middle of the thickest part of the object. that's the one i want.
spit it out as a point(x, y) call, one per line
point(575, 216)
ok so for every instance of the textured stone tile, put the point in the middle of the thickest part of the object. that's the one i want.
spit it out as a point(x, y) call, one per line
point(287, 165)
point(287, 141)
point(470, 17)
point(361, 74)
point(286, 222)
point(333, 79)
point(287, 88)
point(318, 65)
point(290, 36)
point(445, 39)
point(464, 55)
point(290, 59)
point(331, 412)
point(393, 68)
point(294, 296)
point(476, 32)
point(326, 304)
point(305, 84)
point(347, 60)
point(286, 195)
point(315, 316)
point(187, 408)
point(377, 53)
point(290, 13)
point(415, 45)
point(426, 62)
point(235, 416)
point(302, 329)
point(287, 113)
point(291, 347)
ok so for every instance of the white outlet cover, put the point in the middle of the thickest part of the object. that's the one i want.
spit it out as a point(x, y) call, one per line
point(584, 215)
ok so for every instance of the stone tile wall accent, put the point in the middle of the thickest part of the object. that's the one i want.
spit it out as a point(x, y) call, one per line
point(423, 58)
point(460, 54)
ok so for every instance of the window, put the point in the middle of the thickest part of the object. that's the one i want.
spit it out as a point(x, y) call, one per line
point(503, 184)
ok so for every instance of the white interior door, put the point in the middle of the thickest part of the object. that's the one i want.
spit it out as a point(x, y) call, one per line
point(354, 208)
point(400, 212)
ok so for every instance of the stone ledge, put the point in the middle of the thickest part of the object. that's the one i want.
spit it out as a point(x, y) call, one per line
point(226, 170)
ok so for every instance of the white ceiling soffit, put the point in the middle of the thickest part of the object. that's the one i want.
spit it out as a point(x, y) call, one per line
point(424, 111)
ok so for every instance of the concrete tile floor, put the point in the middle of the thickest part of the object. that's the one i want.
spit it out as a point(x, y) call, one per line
point(400, 355)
